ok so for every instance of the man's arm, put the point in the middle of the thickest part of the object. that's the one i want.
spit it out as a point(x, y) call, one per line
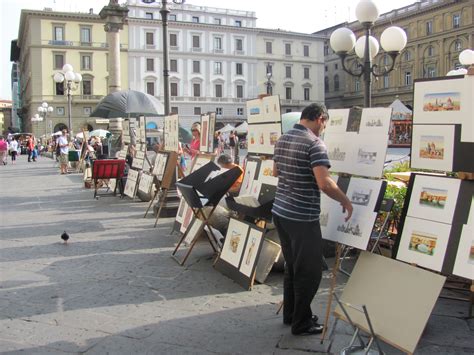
point(330, 188)
point(275, 171)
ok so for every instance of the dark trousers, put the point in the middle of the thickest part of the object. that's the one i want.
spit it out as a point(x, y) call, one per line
point(301, 243)
point(30, 153)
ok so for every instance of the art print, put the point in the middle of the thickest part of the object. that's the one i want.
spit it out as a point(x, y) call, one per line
point(254, 111)
point(337, 122)
point(138, 163)
point(249, 176)
point(254, 240)
point(424, 243)
point(447, 101)
point(434, 198)
point(375, 120)
point(364, 193)
point(354, 119)
point(194, 232)
point(433, 147)
point(130, 188)
point(160, 165)
point(271, 109)
point(181, 210)
point(187, 219)
point(234, 242)
point(265, 175)
point(204, 144)
point(263, 137)
point(146, 182)
point(171, 133)
point(212, 128)
point(369, 156)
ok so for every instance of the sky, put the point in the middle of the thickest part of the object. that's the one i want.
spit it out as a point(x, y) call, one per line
point(305, 16)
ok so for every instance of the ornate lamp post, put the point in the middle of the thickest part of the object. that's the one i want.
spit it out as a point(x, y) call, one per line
point(72, 80)
point(43, 111)
point(269, 76)
point(164, 20)
point(343, 40)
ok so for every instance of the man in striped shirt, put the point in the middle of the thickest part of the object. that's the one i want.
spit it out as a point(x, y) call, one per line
point(302, 166)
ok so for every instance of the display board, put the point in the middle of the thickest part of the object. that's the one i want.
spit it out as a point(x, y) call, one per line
point(159, 166)
point(357, 140)
point(139, 159)
point(171, 133)
point(126, 131)
point(142, 129)
point(132, 182)
point(366, 196)
point(443, 124)
point(264, 119)
point(208, 125)
point(435, 230)
point(239, 255)
point(399, 299)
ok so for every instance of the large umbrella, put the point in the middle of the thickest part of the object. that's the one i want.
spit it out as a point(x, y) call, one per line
point(128, 103)
point(242, 129)
point(226, 128)
point(289, 119)
point(102, 133)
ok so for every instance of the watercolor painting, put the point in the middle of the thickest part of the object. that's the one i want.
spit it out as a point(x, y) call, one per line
point(432, 147)
point(422, 243)
point(443, 101)
point(433, 197)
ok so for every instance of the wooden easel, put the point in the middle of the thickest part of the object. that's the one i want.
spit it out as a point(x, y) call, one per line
point(83, 150)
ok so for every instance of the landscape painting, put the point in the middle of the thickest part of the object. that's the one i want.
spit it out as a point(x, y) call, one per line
point(337, 122)
point(365, 156)
point(432, 147)
point(434, 198)
point(464, 262)
point(375, 120)
point(443, 101)
point(234, 242)
point(422, 243)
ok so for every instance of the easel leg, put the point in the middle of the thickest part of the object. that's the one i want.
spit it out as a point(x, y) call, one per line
point(331, 290)
point(151, 202)
point(162, 203)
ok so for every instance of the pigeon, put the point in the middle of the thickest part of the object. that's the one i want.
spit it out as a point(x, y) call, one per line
point(65, 237)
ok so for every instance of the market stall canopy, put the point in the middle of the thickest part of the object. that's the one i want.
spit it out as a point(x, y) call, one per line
point(128, 103)
point(400, 111)
point(227, 128)
point(102, 133)
point(243, 128)
point(289, 119)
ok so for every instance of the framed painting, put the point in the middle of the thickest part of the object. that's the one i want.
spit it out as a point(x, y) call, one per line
point(464, 262)
point(337, 121)
point(354, 120)
point(212, 129)
point(424, 243)
point(146, 183)
point(250, 173)
point(251, 251)
point(142, 128)
point(434, 198)
point(138, 163)
point(171, 133)
point(204, 144)
point(195, 230)
point(234, 243)
point(375, 121)
point(254, 111)
point(271, 109)
point(130, 189)
point(446, 100)
point(432, 147)
point(339, 151)
point(368, 157)
point(364, 193)
point(263, 137)
point(181, 210)
point(265, 175)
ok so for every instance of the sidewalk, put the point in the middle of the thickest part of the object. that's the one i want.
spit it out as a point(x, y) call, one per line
point(115, 289)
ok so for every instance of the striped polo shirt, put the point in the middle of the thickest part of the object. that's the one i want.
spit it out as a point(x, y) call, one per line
point(296, 154)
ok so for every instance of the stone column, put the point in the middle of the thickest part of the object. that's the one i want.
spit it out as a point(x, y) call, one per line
point(114, 16)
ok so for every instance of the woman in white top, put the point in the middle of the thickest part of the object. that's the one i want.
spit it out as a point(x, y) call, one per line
point(13, 149)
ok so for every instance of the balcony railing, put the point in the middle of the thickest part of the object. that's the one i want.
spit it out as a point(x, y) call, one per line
point(79, 44)
point(208, 99)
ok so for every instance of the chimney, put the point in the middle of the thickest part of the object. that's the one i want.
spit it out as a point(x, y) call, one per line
point(91, 11)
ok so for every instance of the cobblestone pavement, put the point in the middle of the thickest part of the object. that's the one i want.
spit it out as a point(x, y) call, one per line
point(115, 289)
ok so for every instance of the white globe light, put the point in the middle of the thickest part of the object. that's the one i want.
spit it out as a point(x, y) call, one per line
point(77, 77)
point(393, 39)
point(366, 11)
point(342, 40)
point(58, 77)
point(69, 75)
point(373, 47)
point(461, 71)
point(40, 109)
point(466, 57)
point(451, 72)
point(44, 104)
point(36, 117)
point(50, 109)
point(67, 67)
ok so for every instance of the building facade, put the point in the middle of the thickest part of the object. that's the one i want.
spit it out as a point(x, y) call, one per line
point(213, 63)
point(5, 115)
point(46, 41)
point(296, 63)
point(437, 31)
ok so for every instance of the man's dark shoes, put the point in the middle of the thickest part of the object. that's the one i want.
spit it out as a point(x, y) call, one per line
point(314, 319)
point(312, 330)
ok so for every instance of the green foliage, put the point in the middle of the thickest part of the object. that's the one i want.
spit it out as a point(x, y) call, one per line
point(399, 167)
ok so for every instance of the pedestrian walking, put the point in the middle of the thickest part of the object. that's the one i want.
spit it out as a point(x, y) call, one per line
point(14, 149)
point(63, 152)
point(233, 141)
point(30, 146)
point(302, 165)
point(3, 151)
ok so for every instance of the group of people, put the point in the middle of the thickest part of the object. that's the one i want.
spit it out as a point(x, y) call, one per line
point(12, 147)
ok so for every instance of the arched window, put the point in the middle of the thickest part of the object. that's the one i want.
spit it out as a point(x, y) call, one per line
point(457, 45)
point(326, 84)
point(59, 127)
point(336, 82)
point(430, 51)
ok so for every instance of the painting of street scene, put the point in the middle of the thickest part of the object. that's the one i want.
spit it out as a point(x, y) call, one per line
point(366, 157)
point(422, 243)
point(432, 147)
point(443, 101)
point(433, 197)
point(335, 121)
point(337, 154)
point(352, 228)
point(361, 197)
point(374, 123)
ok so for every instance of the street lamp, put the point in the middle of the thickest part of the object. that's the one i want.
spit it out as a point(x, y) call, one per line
point(164, 20)
point(466, 58)
point(70, 77)
point(43, 111)
point(269, 76)
point(343, 40)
